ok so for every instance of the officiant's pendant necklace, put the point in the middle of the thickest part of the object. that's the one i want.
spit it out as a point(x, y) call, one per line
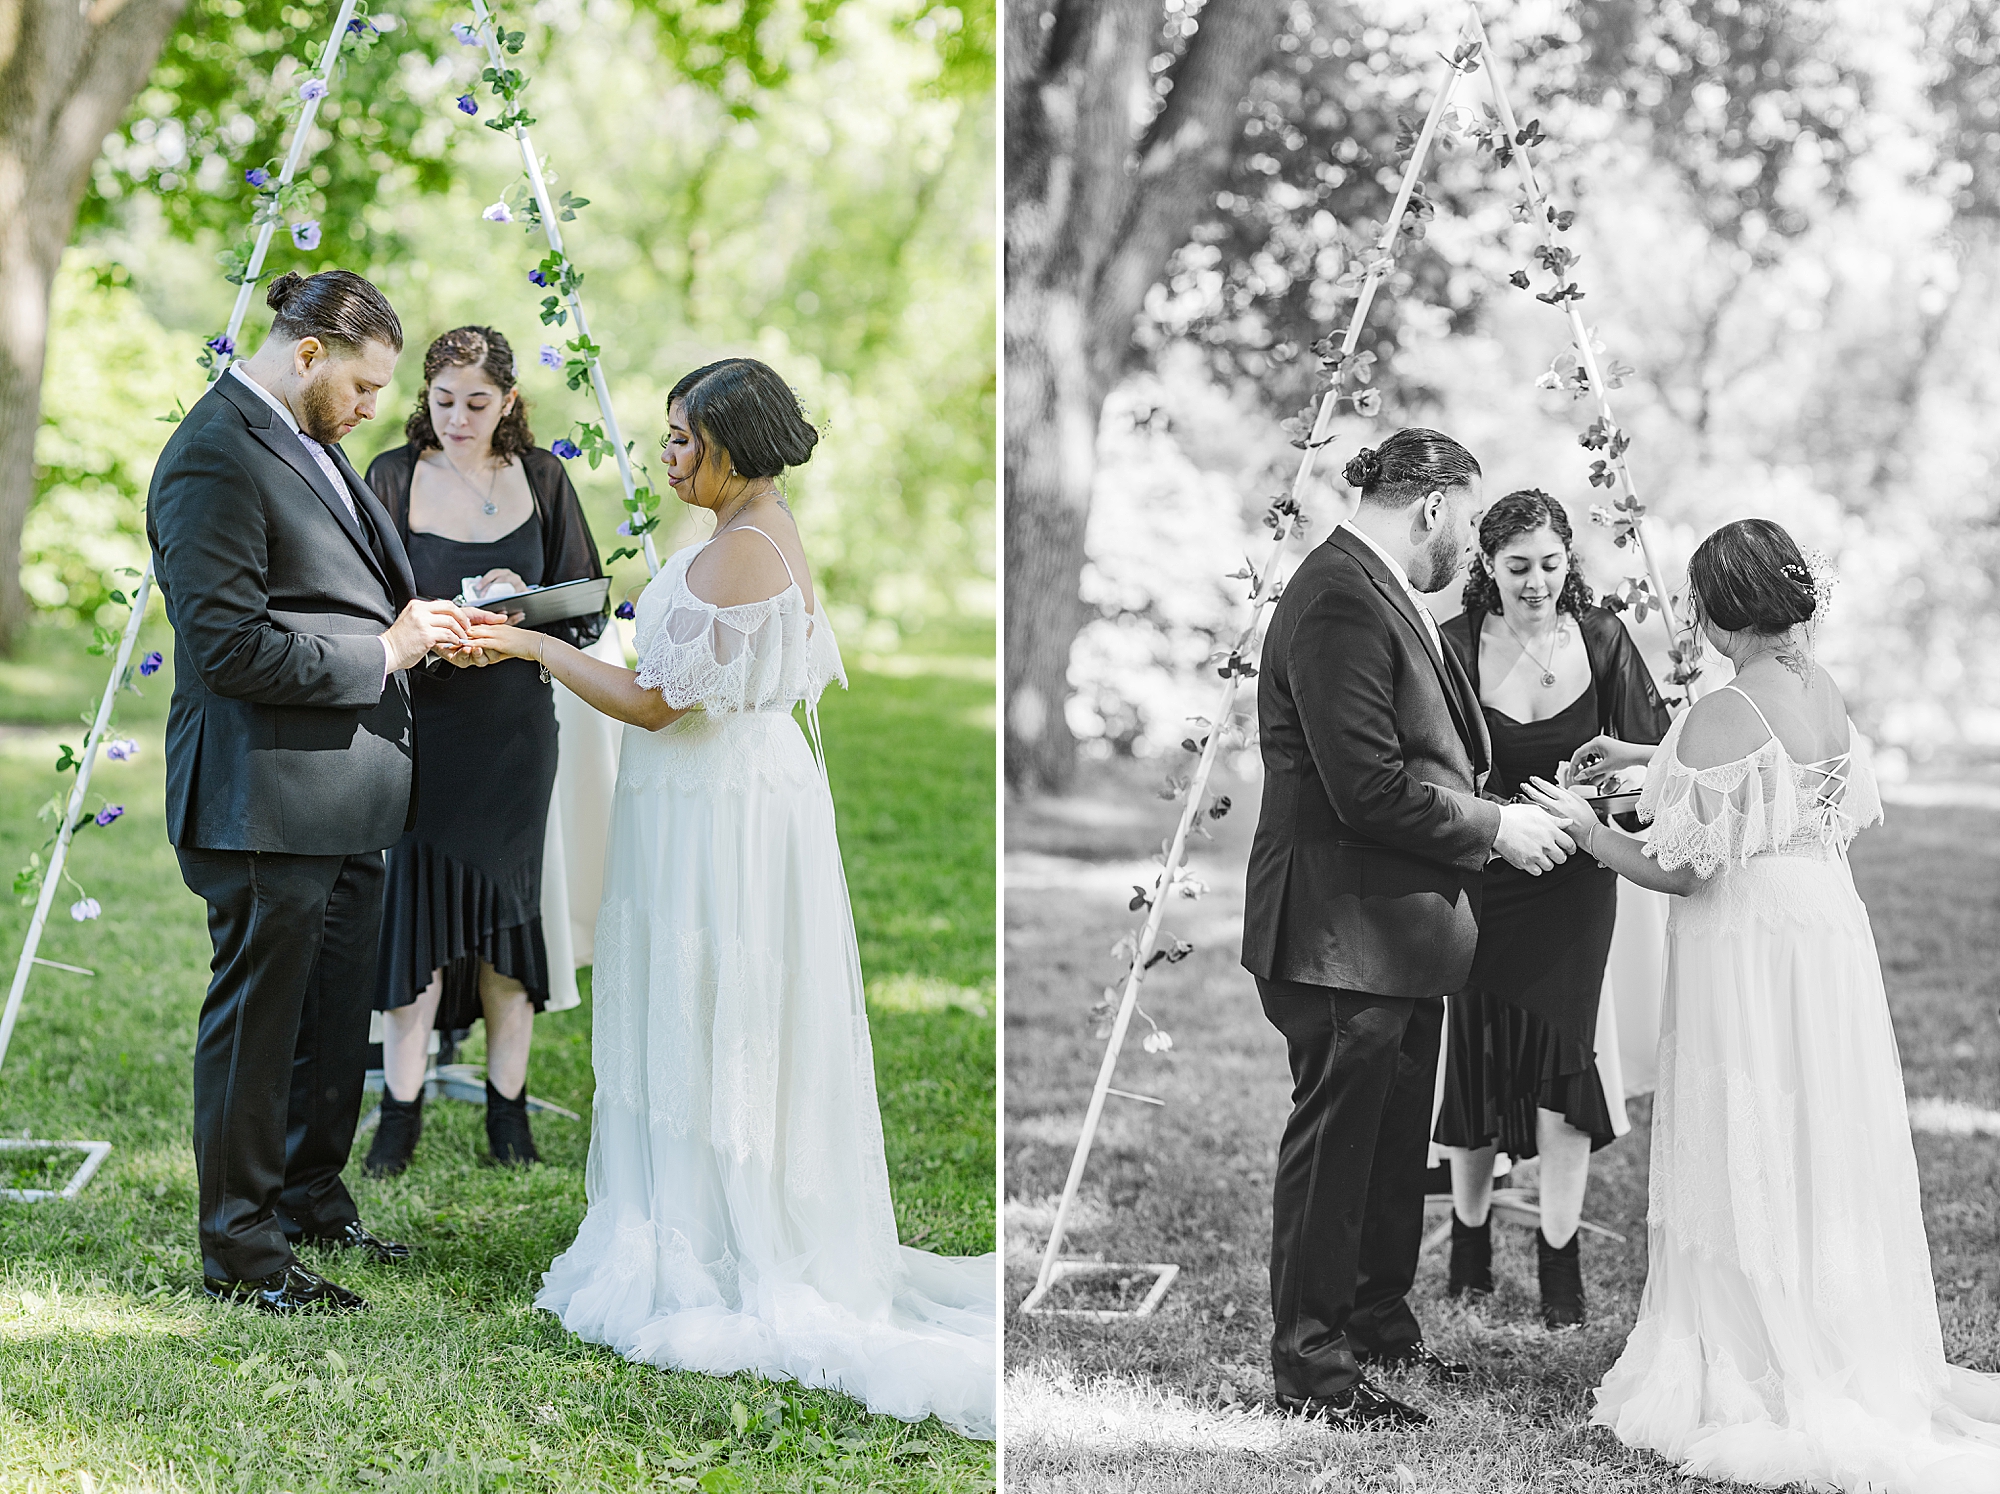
point(1548, 669)
point(486, 504)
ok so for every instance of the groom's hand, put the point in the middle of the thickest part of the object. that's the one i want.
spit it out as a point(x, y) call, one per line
point(423, 626)
point(1531, 839)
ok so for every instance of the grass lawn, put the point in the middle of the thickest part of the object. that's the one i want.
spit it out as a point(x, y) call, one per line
point(1178, 1401)
point(115, 1372)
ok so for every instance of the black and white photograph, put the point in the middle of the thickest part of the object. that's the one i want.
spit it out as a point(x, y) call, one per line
point(1501, 746)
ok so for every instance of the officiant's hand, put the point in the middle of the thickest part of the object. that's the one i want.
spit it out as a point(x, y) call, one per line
point(1531, 839)
point(503, 579)
point(1602, 756)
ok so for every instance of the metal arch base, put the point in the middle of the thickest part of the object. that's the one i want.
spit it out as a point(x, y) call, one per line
point(94, 1154)
point(1163, 1277)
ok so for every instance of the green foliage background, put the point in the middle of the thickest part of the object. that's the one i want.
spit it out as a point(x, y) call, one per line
point(806, 181)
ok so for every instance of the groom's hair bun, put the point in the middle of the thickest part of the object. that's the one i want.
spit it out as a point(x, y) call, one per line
point(1749, 575)
point(1409, 464)
point(336, 306)
point(748, 410)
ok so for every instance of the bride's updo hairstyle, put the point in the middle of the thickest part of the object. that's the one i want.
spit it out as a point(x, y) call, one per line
point(1409, 464)
point(744, 407)
point(1749, 575)
point(1523, 512)
point(489, 352)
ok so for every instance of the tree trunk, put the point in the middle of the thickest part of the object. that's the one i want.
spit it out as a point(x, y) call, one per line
point(68, 72)
point(1098, 197)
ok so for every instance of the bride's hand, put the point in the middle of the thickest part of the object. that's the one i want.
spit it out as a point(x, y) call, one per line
point(504, 641)
point(1568, 806)
point(1602, 756)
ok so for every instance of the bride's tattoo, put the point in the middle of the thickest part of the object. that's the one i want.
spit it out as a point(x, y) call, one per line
point(1792, 654)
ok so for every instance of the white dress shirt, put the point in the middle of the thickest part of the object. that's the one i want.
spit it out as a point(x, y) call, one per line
point(1403, 579)
point(319, 455)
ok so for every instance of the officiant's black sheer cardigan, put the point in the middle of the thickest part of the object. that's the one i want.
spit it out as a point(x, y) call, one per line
point(570, 553)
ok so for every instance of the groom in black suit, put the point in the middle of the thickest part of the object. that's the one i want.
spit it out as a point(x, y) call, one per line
point(288, 770)
point(1362, 909)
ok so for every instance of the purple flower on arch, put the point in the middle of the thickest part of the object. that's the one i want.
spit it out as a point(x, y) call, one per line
point(625, 527)
point(498, 213)
point(627, 611)
point(151, 663)
point(361, 25)
point(256, 176)
point(550, 356)
point(468, 36)
point(536, 277)
point(312, 88)
point(306, 235)
point(109, 813)
point(85, 909)
point(467, 104)
point(566, 448)
point(122, 750)
point(220, 345)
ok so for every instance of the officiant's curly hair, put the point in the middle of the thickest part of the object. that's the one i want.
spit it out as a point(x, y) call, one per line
point(747, 409)
point(484, 349)
point(1522, 512)
point(1408, 465)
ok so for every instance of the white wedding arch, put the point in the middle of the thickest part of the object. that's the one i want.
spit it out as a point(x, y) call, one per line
point(1345, 379)
point(595, 441)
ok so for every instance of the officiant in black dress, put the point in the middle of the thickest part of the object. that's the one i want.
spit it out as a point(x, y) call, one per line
point(1552, 672)
point(476, 503)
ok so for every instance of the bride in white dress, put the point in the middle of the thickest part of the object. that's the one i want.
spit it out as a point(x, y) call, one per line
point(739, 1214)
point(1788, 1332)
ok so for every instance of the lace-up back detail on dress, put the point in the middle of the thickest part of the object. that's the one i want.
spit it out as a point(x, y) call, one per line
point(1762, 804)
point(768, 655)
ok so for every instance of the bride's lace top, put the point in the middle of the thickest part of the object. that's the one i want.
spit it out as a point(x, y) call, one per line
point(760, 656)
point(1763, 804)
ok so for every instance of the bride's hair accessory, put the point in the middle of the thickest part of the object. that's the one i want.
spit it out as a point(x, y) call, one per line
point(1816, 574)
point(1750, 577)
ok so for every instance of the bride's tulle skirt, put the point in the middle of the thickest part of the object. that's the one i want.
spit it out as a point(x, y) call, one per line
point(1788, 1332)
point(739, 1210)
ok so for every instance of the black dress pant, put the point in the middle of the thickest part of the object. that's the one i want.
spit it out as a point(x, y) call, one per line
point(281, 1050)
point(1348, 1203)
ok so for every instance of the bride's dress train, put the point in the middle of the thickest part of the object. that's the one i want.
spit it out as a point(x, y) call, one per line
point(739, 1212)
point(1788, 1332)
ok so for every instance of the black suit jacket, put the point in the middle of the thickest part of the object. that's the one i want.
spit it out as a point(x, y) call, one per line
point(1365, 871)
point(282, 735)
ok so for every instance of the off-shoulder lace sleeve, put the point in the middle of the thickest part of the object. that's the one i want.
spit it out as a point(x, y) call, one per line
point(1707, 818)
point(1861, 805)
point(718, 658)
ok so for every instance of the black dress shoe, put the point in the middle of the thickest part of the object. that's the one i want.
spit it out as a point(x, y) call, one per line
point(355, 1236)
point(1422, 1357)
point(1360, 1405)
point(292, 1289)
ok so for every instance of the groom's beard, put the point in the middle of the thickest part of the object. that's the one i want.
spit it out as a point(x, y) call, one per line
point(321, 417)
point(1436, 564)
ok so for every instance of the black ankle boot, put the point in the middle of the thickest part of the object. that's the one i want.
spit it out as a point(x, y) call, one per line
point(1562, 1282)
point(395, 1136)
point(1471, 1257)
point(507, 1133)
